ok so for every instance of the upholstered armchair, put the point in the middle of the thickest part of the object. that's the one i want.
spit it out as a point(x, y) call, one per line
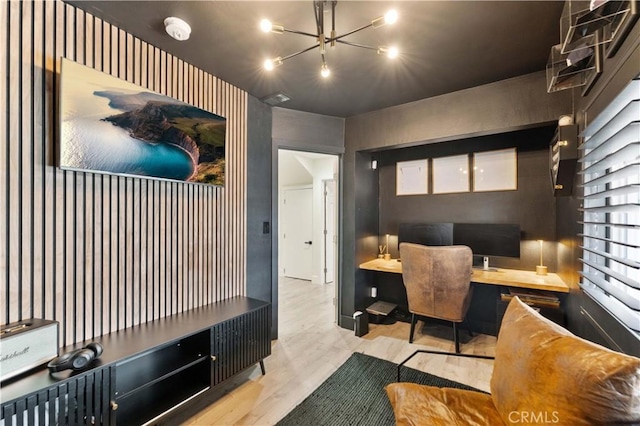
point(542, 374)
point(438, 283)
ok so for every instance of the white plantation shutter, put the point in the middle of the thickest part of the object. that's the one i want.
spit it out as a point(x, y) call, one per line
point(610, 157)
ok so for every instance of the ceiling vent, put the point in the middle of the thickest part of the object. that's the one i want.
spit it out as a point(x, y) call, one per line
point(275, 99)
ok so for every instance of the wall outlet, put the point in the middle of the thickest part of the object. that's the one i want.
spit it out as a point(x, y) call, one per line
point(374, 291)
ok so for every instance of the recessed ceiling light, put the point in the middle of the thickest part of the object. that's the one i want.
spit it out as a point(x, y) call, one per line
point(177, 28)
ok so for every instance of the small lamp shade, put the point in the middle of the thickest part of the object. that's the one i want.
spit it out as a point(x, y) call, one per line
point(541, 269)
point(387, 256)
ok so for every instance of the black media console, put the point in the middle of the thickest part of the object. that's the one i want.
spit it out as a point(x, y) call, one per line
point(146, 371)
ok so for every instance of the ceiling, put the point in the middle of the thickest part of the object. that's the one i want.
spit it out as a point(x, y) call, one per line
point(445, 46)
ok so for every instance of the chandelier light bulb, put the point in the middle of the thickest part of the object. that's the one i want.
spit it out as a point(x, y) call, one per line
point(324, 71)
point(266, 25)
point(269, 27)
point(391, 17)
point(391, 52)
point(270, 64)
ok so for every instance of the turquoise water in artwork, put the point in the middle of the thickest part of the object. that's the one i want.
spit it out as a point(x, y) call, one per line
point(89, 143)
point(101, 146)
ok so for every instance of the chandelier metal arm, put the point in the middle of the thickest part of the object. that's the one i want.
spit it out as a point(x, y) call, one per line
point(318, 10)
point(350, 43)
point(334, 3)
point(288, 30)
point(364, 27)
point(284, 58)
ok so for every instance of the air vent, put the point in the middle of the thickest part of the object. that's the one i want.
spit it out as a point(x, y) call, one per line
point(275, 99)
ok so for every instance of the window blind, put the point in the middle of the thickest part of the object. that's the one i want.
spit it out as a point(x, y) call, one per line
point(610, 171)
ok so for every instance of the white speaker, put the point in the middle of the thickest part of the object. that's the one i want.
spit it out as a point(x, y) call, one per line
point(27, 344)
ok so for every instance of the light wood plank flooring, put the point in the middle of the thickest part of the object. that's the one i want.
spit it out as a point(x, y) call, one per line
point(311, 346)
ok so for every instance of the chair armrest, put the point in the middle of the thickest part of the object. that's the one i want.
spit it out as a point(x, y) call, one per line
point(425, 351)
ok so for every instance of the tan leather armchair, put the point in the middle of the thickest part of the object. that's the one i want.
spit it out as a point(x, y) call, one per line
point(438, 283)
point(542, 374)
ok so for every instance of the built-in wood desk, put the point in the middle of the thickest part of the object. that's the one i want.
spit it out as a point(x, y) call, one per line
point(506, 277)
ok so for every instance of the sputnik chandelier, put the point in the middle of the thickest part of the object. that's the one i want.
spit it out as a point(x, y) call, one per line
point(322, 41)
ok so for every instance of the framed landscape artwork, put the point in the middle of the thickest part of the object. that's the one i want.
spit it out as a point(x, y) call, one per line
point(112, 126)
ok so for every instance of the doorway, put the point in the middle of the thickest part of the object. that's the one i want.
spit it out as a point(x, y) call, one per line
point(307, 219)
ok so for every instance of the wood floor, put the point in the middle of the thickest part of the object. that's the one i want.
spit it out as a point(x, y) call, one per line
point(311, 346)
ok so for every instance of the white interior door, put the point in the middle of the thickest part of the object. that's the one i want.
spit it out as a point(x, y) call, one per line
point(297, 232)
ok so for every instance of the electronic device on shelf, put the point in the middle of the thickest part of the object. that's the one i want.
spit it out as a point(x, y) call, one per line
point(426, 234)
point(489, 239)
point(76, 360)
point(485, 239)
point(27, 344)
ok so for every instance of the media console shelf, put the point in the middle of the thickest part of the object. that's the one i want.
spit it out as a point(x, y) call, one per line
point(147, 370)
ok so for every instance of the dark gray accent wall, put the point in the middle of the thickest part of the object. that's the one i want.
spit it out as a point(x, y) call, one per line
point(259, 253)
point(365, 201)
point(307, 131)
point(509, 105)
point(586, 317)
point(499, 107)
point(532, 205)
point(303, 131)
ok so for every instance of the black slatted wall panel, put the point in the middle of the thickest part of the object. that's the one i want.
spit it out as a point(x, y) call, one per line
point(96, 252)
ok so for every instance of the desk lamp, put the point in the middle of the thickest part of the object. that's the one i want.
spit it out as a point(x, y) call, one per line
point(541, 269)
point(387, 256)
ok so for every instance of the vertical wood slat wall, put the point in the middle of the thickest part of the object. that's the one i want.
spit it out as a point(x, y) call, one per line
point(100, 253)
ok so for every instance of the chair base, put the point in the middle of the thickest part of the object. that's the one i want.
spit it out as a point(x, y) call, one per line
point(456, 337)
point(423, 351)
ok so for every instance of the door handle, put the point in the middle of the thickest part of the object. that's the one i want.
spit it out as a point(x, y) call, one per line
point(308, 242)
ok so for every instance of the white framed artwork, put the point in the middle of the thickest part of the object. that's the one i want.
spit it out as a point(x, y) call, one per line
point(451, 174)
point(412, 177)
point(495, 170)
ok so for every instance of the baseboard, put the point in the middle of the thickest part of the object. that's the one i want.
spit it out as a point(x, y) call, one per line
point(346, 322)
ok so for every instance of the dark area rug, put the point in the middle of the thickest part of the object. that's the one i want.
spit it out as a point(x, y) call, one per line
point(354, 394)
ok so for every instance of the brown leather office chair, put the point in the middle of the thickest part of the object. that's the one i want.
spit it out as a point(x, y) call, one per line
point(438, 283)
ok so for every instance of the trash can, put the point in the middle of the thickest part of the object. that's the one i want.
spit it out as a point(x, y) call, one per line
point(361, 321)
